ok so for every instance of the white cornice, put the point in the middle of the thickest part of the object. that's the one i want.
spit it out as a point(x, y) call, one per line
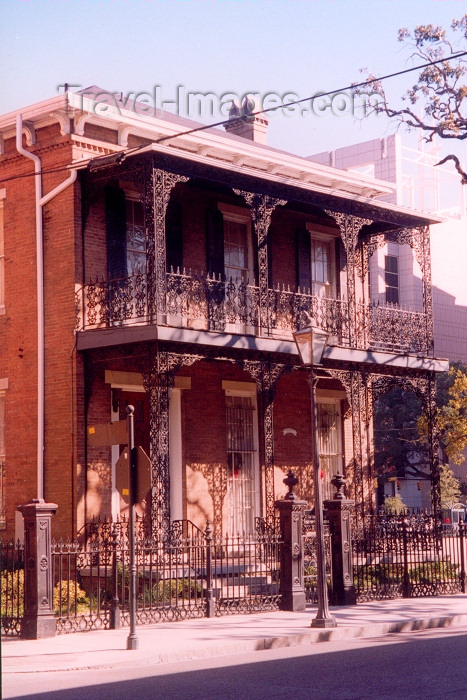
point(210, 146)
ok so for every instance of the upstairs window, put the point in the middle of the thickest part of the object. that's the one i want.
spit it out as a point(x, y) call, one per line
point(236, 250)
point(322, 267)
point(316, 263)
point(391, 278)
point(135, 238)
point(230, 252)
point(126, 235)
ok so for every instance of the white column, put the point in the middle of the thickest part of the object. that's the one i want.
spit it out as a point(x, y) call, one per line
point(175, 455)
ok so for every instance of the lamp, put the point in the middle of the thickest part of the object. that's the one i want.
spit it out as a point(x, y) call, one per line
point(311, 343)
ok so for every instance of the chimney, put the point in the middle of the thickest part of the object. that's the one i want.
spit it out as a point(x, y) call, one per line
point(242, 122)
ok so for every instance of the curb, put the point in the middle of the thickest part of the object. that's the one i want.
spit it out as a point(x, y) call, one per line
point(93, 660)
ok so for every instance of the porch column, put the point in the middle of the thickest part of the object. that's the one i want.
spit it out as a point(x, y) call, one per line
point(38, 620)
point(157, 383)
point(262, 207)
point(350, 227)
point(156, 204)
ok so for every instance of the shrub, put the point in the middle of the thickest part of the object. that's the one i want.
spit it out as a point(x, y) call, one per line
point(168, 589)
point(430, 572)
point(394, 505)
point(68, 595)
point(12, 592)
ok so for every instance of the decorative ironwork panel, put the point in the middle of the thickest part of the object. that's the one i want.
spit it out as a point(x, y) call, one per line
point(157, 383)
point(262, 207)
point(419, 240)
point(406, 556)
point(209, 303)
point(397, 330)
point(350, 227)
point(163, 183)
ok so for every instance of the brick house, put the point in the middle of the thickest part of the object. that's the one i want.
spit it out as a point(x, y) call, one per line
point(145, 266)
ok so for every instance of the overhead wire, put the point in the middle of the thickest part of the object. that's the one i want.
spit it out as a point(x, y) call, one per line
point(204, 127)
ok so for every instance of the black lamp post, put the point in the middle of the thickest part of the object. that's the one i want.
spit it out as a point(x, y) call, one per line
point(311, 343)
point(132, 639)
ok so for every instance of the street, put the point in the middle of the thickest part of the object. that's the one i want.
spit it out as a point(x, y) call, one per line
point(428, 665)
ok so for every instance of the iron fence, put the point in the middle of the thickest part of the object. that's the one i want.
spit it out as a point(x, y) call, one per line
point(407, 556)
point(12, 586)
point(187, 574)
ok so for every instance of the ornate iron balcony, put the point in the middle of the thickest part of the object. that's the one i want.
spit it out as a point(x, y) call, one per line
point(203, 302)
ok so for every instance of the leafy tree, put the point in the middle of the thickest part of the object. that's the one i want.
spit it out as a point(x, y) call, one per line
point(400, 430)
point(452, 415)
point(441, 88)
point(394, 505)
point(450, 487)
point(399, 452)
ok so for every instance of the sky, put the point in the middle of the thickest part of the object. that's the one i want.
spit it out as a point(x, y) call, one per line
point(172, 51)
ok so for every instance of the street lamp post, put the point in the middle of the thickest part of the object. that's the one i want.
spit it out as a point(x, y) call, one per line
point(311, 343)
point(132, 639)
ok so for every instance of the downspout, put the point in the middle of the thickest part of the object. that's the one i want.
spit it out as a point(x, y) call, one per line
point(40, 201)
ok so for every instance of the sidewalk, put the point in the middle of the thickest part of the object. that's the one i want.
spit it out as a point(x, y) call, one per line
point(220, 636)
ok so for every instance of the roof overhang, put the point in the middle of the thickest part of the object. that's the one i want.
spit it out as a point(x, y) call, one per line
point(169, 136)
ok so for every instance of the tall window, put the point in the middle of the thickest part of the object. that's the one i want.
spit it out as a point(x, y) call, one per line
point(242, 489)
point(391, 278)
point(135, 238)
point(329, 435)
point(316, 263)
point(126, 236)
point(236, 250)
point(322, 267)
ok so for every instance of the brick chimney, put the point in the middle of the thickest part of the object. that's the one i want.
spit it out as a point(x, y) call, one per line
point(242, 122)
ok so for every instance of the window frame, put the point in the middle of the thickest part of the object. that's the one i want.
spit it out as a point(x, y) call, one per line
point(247, 390)
point(132, 198)
point(319, 233)
point(391, 287)
point(338, 455)
point(239, 215)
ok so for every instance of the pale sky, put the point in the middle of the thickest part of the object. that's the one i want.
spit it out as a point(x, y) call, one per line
point(265, 47)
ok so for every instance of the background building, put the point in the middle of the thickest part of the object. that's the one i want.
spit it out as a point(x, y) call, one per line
point(395, 275)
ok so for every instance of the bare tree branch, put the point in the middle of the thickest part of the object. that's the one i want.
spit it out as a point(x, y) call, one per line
point(441, 89)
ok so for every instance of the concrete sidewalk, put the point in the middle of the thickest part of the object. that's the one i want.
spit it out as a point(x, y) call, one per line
point(219, 636)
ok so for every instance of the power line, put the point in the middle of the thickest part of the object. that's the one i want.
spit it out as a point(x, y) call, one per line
point(283, 105)
point(308, 99)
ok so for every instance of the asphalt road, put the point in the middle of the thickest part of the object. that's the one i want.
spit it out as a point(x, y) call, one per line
point(429, 665)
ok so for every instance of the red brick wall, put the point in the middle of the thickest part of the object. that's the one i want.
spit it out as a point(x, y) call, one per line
point(18, 330)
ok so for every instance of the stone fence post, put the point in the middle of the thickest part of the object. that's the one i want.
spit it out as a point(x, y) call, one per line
point(339, 510)
point(291, 510)
point(38, 619)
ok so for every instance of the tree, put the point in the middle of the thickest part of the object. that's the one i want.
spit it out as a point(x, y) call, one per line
point(452, 414)
point(399, 452)
point(401, 429)
point(441, 87)
point(449, 486)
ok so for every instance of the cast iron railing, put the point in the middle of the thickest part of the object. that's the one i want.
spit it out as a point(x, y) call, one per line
point(188, 574)
point(407, 556)
point(12, 586)
point(212, 303)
